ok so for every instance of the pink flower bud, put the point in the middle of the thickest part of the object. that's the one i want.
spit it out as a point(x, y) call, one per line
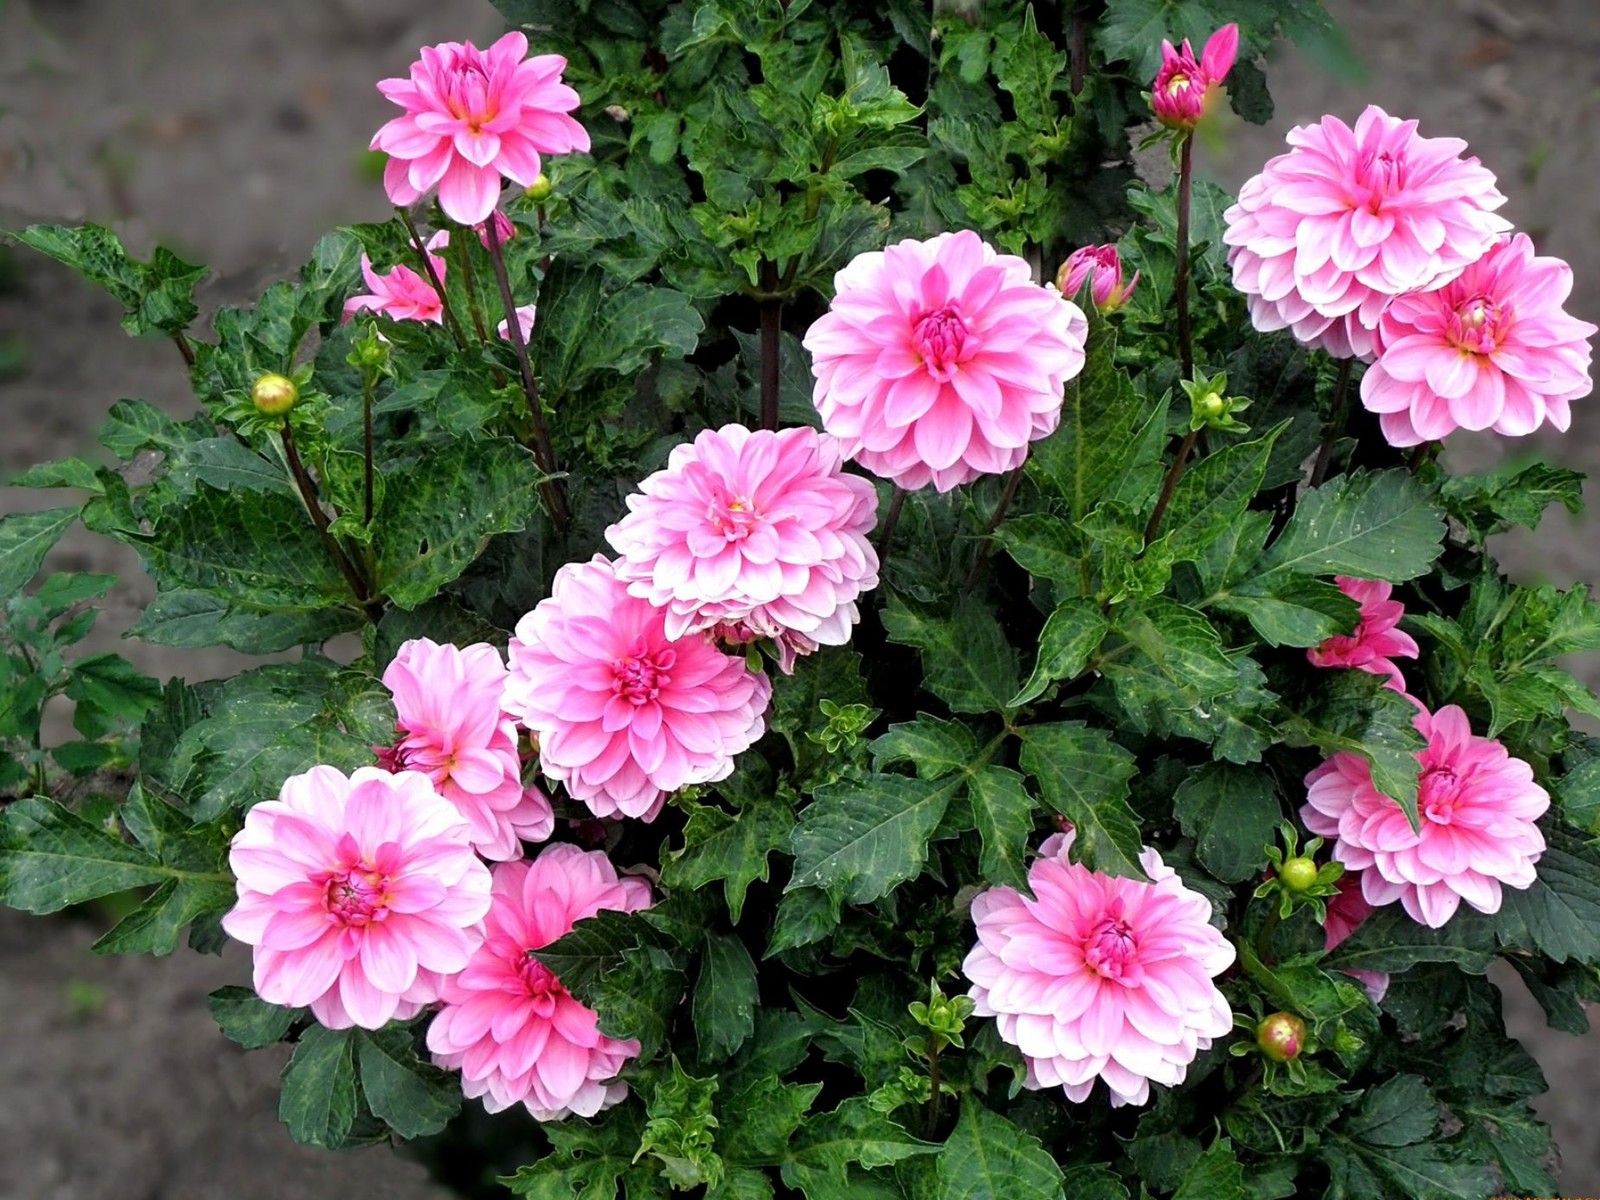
point(1282, 1037)
point(504, 230)
point(1184, 88)
point(1103, 268)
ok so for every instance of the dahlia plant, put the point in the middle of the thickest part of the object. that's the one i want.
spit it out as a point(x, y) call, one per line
point(892, 657)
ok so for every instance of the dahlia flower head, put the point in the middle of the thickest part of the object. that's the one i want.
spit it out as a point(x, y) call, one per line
point(1102, 267)
point(939, 361)
point(359, 894)
point(1377, 639)
point(1184, 88)
point(1477, 807)
point(403, 294)
point(447, 705)
point(623, 713)
point(1329, 233)
point(1098, 976)
point(1346, 912)
point(472, 117)
point(1491, 349)
point(508, 1025)
point(753, 533)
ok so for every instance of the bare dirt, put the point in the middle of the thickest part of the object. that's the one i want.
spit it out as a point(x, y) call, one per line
point(233, 133)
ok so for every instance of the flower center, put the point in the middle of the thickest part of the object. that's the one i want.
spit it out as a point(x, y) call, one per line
point(539, 979)
point(1384, 175)
point(358, 895)
point(1438, 792)
point(938, 338)
point(1479, 325)
point(466, 93)
point(1110, 950)
point(1179, 84)
point(639, 678)
point(732, 518)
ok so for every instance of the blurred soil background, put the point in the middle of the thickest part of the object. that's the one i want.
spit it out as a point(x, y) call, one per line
point(235, 133)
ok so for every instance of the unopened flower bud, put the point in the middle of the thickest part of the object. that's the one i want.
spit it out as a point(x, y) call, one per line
point(1282, 1037)
point(1184, 86)
point(274, 395)
point(1102, 267)
point(1298, 873)
point(504, 230)
point(616, 112)
point(539, 190)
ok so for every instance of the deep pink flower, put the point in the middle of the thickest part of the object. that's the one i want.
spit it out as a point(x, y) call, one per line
point(1477, 806)
point(1346, 911)
point(508, 1025)
point(448, 704)
point(357, 893)
point(939, 361)
point(525, 316)
point(403, 294)
point(503, 228)
point(1184, 88)
point(1377, 637)
point(760, 531)
point(1347, 220)
point(1098, 976)
point(624, 714)
point(1492, 349)
point(1103, 267)
point(471, 117)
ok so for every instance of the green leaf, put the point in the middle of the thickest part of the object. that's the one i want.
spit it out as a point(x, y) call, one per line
point(51, 857)
point(725, 997)
point(1559, 916)
point(590, 1161)
point(1512, 495)
point(159, 295)
point(135, 425)
point(732, 848)
point(1045, 546)
point(1390, 941)
point(988, 1158)
point(1003, 812)
point(412, 1097)
point(1232, 813)
point(68, 473)
point(157, 925)
point(1357, 713)
point(859, 839)
point(760, 1120)
point(1030, 71)
point(1291, 610)
point(819, 1159)
point(1072, 633)
point(247, 1019)
point(113, 686)
point(1084, 776)
point(593, 946)
point(25, 539)
point(1373, 525)
point(226, 464)
point(966, 660)
point(1398, 1112)
point(805, 916)
point(1216, 1175)
point(1381, 1150)
point(318, 1102)
point(934, 747)
point(1213, 494)
point(186, 618)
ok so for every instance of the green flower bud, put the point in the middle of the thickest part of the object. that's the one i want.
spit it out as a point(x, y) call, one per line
point(1282, 1037)
point(540, 189)
point(1299, 873)
point(274, 395)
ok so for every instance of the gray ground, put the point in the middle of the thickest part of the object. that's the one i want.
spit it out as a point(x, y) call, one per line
point(232, 132)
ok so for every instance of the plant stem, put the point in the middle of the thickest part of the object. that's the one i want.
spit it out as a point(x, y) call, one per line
point(890, 520)
point(1180, 280)
point(543, 450)
point(366, 439)
point(1330, 434)
point(771, 326)
point(1007, 494)
point(432, 273)
point(1079, 49)
point(1167, 488)
point(1264, 936)
point(308, 495)
point(464, 257)
point(182, 343)
point(933, 1079)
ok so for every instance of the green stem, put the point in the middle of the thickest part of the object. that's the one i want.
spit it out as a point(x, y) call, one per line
point(1330, 433)
point(308, 495)
point(771, 327)
point(464, 257)
point(366, 437)
point(1264, 936)
point(933, 1079)
point(890, 520)
point(182, 343)
point(1167, 488)
point(1006, 496)
point(432, 273)
point(1180, 281)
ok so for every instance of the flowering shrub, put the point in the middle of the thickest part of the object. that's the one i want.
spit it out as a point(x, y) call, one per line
point(832, 713)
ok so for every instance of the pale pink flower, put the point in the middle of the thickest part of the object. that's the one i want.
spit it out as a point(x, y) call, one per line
point(939, 361)
point(508, 1025)
point(1477, 806)
point(1098, 976)
point(403, 294)
point(755, 529)
point(471, 117)
point(624, 714)
point(358, 894)
point(447, 702)
point(1102, 266)
point(1378, 637)
point(1347, 220)
point(1184, 89)
point(1346, 911)
point(525, 316)
point(1492, 349)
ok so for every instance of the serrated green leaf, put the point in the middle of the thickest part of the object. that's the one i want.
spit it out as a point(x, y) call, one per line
point(934, 747)
point(1398, 1112)
point(1003, 813)
point(1291, 610)
point(805, 916)
point(1357, 713)
point(732, 848)
point(51, 857)
point(187, 618)
point(1072, 633)
point(112, 686)
point(1084, 776)
point(1559, 916)
point(1390, 941)
point(1216, 1175)
point(156, 926)
point(25, 539)
point(1045, 546)
point(590, 1161)
point(819, 1158)
point(1213, 494)
point(966, 660)
point(159, 295)
point(1373, 525)
point(412, 1097)
point(135, 425)
point(760, 1120)
point(859, 839)
point(318, 1102)
point(1232, 813)
point(988, 1158)
point(725, 997)
point(247, 1019)
point(226, 464)
point(1030, 70)
point(69, 473)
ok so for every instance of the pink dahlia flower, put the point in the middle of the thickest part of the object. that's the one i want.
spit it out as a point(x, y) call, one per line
point(1346, 911)
point(1477, 806)
point(525, 316)
point(1492, 349)
point(1185, 88)
point(1377, 637)
point(939, 361)
point(1347, 220)
point(623, 713)
point(1099, 976)
point(515, 1034)
point(403, 294)
point(761, 530)
point(448, 704)
point(358, 894)
point(1102, 266)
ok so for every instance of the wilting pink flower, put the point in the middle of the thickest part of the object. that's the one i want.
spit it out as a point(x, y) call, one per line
point(403, 294)
point(939, 361)
point(1184, 88)
point(1103, 267)
point(525, 315)
point(357, 893)
point(1099, 976)
point(624, 714)
point(508, 1025)
point(448, 706)
point(1346, 911)
point(1492, 349)
point(1477, 806)
point(1329, 233)
point(755, 529)
point(504, 230)
point(1377, 637)
point(471, 117)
